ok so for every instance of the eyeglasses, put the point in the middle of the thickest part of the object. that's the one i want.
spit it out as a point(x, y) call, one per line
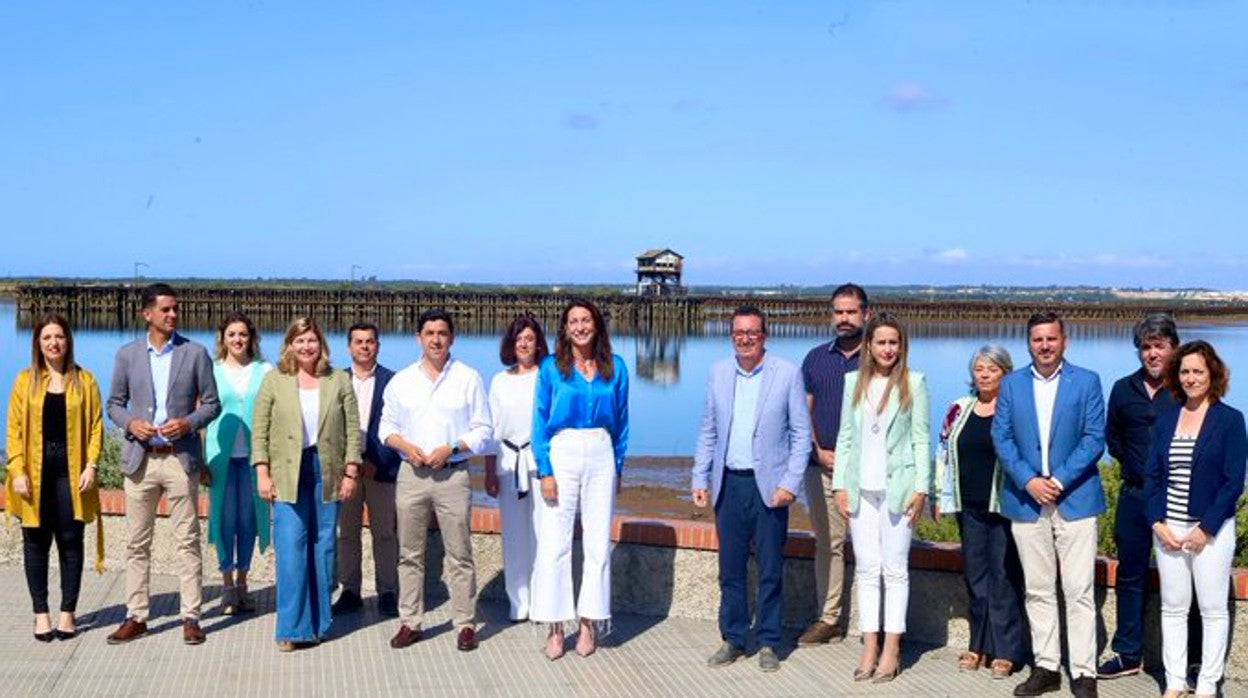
point(747, 334)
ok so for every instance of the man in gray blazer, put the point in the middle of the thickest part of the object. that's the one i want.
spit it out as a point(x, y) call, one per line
point(163, 393)
point(751, 455)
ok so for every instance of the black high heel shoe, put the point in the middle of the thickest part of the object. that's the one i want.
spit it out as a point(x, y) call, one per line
point(65, 634)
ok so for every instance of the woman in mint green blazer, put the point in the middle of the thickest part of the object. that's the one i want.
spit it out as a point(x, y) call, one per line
point(882, 478)
point(237, 516)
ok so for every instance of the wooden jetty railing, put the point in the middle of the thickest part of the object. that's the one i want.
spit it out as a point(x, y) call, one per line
point(91, 305)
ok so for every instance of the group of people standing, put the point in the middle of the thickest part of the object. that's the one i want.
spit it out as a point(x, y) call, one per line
point(309, 446)
point(1017, 463)
point(293, 453)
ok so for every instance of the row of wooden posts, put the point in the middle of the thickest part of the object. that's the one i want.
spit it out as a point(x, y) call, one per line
point(396, 310)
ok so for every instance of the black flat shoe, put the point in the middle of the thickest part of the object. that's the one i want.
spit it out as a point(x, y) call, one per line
point(65, 634)
point(44, 637)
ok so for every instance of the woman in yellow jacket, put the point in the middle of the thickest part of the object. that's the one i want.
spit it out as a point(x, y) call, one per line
point(55, 433)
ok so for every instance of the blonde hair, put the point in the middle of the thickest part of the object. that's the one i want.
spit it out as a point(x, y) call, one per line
point(287, 363)
point(898, 378)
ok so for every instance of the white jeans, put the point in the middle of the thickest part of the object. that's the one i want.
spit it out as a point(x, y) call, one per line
point(519, 542)
point(1211, 570)
point(881, 563)
point(584, 465)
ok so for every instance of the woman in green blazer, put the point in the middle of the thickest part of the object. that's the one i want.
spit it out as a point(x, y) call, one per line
point(882, 477)
point(306, 450)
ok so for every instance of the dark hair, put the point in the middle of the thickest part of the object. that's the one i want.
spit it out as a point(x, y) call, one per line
point(37, 362)
point(253, 337)
point(1045, 317)
point(507, 348)
point(1156, 326)
point(853, 291)
point(433, 315)
point(602, 342)
point(748, 310)
point(363, 327)
point(151, 292)
point(1219, 374)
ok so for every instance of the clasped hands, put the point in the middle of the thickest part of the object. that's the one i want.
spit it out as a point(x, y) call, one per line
point(173, 429)
point(1193, 543)
point(1044, 490)
point(435, 459)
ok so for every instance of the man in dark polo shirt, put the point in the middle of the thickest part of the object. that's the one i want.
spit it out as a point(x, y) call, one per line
point(824, 371)
point(1134, 404)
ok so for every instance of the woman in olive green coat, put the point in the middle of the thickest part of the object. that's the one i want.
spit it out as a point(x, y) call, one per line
point(306, 450)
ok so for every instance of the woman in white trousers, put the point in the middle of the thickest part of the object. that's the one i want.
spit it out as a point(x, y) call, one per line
point(1194, 479)
point(882, 478)
point(509, 470)
point(580, 435)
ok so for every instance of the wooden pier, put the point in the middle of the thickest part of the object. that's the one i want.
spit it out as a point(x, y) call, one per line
point(92, 305)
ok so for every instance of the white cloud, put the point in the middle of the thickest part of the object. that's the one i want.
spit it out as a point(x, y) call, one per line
point(911, 96)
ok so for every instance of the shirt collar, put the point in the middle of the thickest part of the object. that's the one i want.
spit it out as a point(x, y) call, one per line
point(1056, 374)
point(356, 375)
point(742, 373)
point(834, 349)
point(167, 348)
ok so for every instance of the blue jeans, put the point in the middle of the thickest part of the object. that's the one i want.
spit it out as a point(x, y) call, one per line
point(742, 518)
point(238, 518)
point(304, 543)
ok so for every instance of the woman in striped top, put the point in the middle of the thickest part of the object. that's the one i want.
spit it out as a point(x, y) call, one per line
point(1194, 478)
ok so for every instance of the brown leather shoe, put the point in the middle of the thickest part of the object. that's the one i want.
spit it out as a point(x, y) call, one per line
point(406, 637)
point(130, 629)
point(467, 640)
point(820, 633)
point(192, 634)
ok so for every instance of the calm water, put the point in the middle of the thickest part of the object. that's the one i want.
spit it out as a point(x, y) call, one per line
point(669, 373)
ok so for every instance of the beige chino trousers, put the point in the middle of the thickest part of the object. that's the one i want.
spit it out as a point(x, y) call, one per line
point(157, 476)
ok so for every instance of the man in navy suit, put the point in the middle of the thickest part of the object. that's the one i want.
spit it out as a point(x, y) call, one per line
point(750, 460)
point(1049, 433)
point(377, 477)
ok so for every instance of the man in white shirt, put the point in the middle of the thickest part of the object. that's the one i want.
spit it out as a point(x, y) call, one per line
point(377, 475)
point(1049, 432)
point(435, 415)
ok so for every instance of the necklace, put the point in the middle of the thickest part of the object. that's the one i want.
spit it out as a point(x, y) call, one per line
point(874, 410)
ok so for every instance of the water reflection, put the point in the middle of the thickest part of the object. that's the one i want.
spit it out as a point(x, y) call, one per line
point(658, 357)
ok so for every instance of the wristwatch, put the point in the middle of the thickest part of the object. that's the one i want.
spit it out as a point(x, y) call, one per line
point(454, 449)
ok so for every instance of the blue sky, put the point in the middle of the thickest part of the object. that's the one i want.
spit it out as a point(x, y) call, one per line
point(938, 142)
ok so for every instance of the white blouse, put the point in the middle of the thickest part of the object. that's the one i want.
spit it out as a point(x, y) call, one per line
point(310, 406)
point(511, 406)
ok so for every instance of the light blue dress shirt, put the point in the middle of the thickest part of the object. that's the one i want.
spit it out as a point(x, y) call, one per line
point(161, 363)
point(740, 455)
point(574, 403)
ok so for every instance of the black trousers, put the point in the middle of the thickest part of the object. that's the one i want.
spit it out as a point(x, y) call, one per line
point(56, 522)
point(994, 586)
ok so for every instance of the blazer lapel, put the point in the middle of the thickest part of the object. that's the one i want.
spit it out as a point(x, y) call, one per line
point(1027, 397)
point(1208, 428)
point(175, 364)
point(325, 400)
point(1064, 396)
point(768, 378)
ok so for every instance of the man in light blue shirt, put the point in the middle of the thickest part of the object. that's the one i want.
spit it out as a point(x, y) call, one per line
point(750, 461)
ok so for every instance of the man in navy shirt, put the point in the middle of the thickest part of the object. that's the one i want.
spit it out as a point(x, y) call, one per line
point(824, 371)
point(1134, 404)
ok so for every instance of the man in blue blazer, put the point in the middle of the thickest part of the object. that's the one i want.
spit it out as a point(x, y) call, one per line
point(753, 443)
point(1049, 432)
point(377, 477)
